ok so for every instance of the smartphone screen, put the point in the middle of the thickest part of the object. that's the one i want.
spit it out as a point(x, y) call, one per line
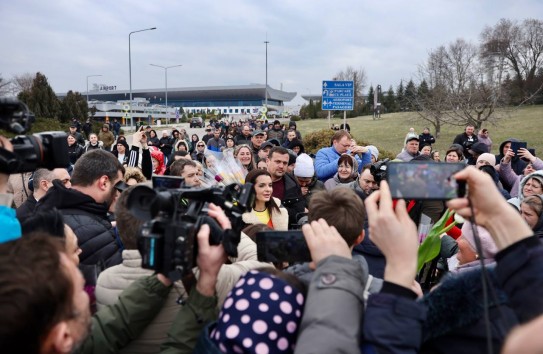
point(167, 182)
point(424, 180)
point(516, 145)
point(282, 246)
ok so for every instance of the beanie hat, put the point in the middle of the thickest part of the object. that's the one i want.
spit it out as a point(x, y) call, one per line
point(304, 166)
point(478, 148)
point(487, 243)
point(373, 151)
point(491, 159)
point(261, 314)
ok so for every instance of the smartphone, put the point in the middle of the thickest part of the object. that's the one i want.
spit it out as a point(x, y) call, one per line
point(167, 182)
point(425, 181)
point(282, 246)
point(516, 145)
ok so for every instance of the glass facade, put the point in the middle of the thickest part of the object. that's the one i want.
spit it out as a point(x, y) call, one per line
point(215, 103)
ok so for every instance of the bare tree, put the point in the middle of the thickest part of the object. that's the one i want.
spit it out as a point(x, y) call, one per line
point(356, 75)
point(519, 48)
point(4, 86)
point(21, 83)
point(460, 91)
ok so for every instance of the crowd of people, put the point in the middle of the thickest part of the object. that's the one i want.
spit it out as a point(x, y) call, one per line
point(71, 275)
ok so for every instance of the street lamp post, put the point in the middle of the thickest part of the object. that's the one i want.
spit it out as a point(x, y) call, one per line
point(266, 91)
point(130, 72)
point(166, 82)
point(88, 86)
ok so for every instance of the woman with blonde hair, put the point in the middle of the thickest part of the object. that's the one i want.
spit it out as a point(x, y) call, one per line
point(244, 155)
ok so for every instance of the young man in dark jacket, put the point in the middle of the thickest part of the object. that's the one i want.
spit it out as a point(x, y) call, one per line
point(285, 185)
point(85, 206)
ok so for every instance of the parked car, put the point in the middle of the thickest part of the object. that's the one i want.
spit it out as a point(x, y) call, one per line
point(197, 122)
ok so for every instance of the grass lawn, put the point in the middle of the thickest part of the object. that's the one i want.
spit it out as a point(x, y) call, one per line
point(525, 124)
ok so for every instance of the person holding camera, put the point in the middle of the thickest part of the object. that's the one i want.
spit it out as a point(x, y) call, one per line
point(467, 138)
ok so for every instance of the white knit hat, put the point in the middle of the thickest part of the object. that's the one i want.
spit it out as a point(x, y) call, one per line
point(374, 151)
point(304, 166)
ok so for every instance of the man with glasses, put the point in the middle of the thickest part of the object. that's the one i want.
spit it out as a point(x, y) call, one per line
point(326, 161)
point(42, 180)
point(96, 177)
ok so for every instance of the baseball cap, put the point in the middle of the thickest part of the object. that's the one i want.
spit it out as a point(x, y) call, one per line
point(258, 132)
point(265, 145)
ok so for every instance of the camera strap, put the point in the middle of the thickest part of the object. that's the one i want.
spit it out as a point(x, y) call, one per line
point(8, 161)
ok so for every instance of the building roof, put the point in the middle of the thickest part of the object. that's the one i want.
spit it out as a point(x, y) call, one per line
point(252, 91)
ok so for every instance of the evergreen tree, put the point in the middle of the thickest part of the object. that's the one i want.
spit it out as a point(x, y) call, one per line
point(41, 98)
point(390, 101)
point(73, 106)
point(400, 92)
point(422, 93)
point(368, 109)
point(410, 95)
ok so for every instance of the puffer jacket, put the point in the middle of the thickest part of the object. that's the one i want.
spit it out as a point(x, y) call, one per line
point(279, 219)
point(89, 222)
point(114, 280)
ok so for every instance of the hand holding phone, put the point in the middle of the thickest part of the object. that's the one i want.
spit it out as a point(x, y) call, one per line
point(424, 181)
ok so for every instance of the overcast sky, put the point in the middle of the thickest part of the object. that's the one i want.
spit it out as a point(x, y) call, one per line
point(221, 42)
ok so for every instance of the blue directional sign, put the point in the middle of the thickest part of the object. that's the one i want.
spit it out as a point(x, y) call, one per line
point(337, 95)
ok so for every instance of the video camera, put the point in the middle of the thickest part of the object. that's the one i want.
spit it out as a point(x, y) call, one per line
point(379, 171)
point(167, 240)
point(47, 149)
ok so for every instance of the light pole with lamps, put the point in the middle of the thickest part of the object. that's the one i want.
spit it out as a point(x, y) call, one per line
point(88, 86)
point(266, 91)
point(130, 72)
point(166, 80)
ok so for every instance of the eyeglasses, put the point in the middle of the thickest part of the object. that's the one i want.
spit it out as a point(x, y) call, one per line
point(200, 145)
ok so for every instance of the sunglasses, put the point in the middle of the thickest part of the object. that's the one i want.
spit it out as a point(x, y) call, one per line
point(200, 146)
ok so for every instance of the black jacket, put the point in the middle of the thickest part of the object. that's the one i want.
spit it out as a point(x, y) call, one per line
point(26, 209)
point(466, 141)
point(89, 221)
point(293, 201)
point(74, 152)
point(426, 139)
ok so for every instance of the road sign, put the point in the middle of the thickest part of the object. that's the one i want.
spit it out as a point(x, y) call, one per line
point(337, 95)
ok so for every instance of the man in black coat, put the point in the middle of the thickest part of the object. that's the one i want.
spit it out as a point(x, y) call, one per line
point(467, 138)
point(85, 206)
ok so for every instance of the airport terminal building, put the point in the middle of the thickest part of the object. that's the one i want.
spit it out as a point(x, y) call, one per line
point(234, 101)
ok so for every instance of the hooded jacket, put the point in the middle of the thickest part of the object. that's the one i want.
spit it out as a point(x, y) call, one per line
point(511, 178)
point(516, 201)
point(159, 156)
point(106, 137)
point(517, 164)
point(89, 221)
